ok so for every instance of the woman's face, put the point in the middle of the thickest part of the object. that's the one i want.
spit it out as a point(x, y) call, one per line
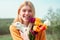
point(25, 13)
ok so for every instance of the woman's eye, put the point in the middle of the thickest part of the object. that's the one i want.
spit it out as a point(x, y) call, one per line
point(24, 10)
point(30, 11)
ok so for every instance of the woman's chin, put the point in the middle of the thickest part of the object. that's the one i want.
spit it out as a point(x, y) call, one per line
point(26, 20)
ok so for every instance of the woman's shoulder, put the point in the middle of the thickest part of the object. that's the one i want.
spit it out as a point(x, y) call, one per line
point(12, 27)
point(16, 25)
point(13, 30)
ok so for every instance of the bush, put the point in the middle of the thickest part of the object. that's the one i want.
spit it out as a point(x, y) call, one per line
point(4, 26)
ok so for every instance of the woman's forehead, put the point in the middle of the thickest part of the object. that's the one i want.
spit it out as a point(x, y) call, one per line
point(26, 7)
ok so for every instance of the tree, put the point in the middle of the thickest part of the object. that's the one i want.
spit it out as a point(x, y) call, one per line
point(54, 17)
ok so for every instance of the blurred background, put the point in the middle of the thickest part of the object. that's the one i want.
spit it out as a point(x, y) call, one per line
point(45, 9)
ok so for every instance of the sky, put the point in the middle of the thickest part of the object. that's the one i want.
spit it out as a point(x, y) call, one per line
point(9, 8)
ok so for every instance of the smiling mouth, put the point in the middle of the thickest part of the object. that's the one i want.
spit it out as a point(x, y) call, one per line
point(26, 17)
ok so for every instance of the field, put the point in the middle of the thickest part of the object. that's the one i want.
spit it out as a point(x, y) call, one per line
point(8, 37)
point(5, 34)
point(5, 37)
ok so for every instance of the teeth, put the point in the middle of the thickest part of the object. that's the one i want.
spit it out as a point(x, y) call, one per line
point(27, 16)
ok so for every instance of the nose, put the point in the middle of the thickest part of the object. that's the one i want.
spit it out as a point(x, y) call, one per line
point(27, 13)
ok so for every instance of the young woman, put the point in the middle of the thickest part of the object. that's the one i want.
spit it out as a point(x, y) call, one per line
point(21, 26)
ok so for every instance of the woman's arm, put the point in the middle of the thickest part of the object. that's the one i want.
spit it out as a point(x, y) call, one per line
point(15, 33)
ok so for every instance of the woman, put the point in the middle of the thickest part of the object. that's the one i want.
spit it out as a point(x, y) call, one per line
point(21, 26)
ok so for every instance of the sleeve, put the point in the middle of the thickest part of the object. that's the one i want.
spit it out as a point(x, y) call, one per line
point(15, 33)
point(43, 35)
point(40, 29)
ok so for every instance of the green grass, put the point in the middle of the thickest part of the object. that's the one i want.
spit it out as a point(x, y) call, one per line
point(8, 37)
point(49, 37)
point(52, 37)
point(5, 37)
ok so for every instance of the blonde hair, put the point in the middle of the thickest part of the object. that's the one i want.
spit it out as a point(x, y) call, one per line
point(24, 4)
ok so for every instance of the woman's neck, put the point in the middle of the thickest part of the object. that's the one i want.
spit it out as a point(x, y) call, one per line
point(26, 23)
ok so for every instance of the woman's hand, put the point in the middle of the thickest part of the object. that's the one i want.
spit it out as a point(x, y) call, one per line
point(24, 36)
